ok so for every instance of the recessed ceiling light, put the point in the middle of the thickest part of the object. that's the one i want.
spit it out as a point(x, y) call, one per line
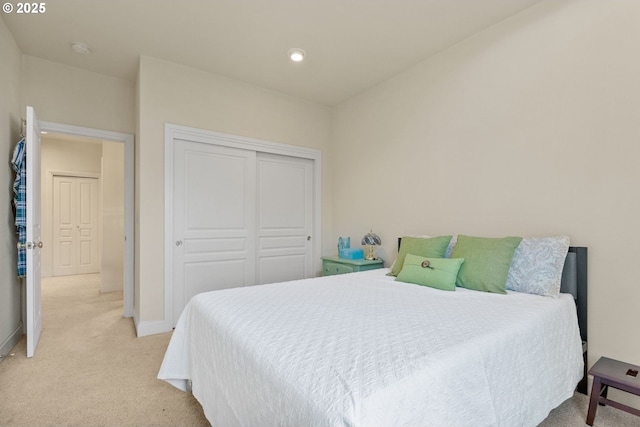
point(81, 48)
point(296, 54)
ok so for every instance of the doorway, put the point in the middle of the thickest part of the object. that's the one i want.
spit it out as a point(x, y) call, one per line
point(113, 213)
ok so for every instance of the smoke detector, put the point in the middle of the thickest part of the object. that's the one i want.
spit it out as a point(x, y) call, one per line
point(81, 48)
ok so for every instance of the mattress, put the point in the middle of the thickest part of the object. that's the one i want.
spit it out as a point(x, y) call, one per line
point(361, 349)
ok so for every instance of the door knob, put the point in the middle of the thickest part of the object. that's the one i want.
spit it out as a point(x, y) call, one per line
point(308, 238)
point(29, 245)
point(178, 242)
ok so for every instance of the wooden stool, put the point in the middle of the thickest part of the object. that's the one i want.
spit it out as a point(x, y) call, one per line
point(612, 373)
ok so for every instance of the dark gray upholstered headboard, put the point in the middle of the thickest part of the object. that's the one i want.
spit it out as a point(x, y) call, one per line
point(574, 281)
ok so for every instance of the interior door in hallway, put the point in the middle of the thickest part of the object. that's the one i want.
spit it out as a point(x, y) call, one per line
point(75, 225)
point(285, 218)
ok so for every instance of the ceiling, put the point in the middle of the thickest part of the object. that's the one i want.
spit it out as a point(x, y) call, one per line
point(351, 45)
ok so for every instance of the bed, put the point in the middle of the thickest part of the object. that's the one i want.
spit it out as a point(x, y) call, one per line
point(363, 349)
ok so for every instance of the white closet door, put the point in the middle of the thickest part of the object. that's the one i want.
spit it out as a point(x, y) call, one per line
point(285, 218)
point(214, 219)
point(75, 224)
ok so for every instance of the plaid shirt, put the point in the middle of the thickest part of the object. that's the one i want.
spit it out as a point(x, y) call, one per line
point(20, 203)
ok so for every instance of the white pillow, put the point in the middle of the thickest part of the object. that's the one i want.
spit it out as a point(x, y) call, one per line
point(537, 266)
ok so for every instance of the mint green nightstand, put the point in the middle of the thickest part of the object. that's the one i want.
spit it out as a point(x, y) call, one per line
point(335, 265)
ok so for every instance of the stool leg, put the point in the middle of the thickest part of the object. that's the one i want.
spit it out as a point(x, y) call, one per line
point(603, 393)
point(593, 400)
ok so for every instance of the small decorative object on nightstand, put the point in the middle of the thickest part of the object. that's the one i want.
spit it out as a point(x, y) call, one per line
point(332, 265)
point(344, 243)
point(371, 239)
point(612, 373)
point(345, 251)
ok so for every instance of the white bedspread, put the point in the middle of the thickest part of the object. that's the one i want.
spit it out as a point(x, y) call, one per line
point(363, 350)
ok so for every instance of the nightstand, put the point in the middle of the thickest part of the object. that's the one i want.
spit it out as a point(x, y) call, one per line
point(335, 265)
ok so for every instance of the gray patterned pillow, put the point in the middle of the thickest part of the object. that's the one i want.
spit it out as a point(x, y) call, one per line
point(452, 244)
point(537, 266)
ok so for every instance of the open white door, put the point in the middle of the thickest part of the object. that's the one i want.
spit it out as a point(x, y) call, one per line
point(34, 242)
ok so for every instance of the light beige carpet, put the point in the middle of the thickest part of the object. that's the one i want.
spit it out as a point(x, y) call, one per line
point(91, 370)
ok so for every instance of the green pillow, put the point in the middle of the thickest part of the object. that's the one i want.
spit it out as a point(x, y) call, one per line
point(432, 247)
point(486, 262)
point(440, 273)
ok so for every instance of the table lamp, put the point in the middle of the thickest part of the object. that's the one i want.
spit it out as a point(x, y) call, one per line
point(371, 239)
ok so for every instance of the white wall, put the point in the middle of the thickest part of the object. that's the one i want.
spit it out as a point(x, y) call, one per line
point(112, 192)
point(10, 124)
point(529, 128)
point(172, 93)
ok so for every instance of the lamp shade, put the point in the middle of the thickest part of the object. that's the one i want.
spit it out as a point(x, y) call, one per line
point(371, 238)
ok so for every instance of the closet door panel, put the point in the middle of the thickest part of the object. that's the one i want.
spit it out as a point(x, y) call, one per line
point(215, 191)
point(214, 220)
point(285, 218)
point(228, 274)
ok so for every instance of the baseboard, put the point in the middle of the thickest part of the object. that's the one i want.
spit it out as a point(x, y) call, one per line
point(145, 328)
point(11, 342)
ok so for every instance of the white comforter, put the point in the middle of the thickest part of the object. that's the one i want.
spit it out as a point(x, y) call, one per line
point(363, 350)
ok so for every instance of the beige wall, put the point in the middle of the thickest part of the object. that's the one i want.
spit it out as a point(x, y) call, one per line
point(68, 95)
point(172, 93)
point(531, 128)
point(76, 157)
point(112, 206)
point(10, 119)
